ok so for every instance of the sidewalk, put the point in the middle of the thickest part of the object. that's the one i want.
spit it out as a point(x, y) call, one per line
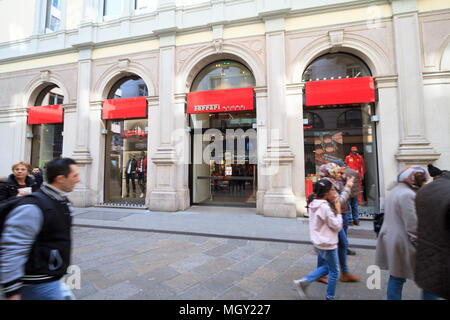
point(225, 222)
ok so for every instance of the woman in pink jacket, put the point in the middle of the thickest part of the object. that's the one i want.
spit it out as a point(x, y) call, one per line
point(325, 222)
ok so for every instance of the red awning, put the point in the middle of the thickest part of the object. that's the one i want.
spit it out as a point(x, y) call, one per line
point(226, 100)
point(45, 114)
point(125, 108)
point(340, 91)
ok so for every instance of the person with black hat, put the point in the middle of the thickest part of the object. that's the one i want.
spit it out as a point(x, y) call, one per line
point(434, 172)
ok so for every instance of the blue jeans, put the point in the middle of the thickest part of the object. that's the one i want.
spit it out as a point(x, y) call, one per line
point(342, 252)
point(353, 205)
point(330, 266)
point(43, 291)
point(395, 287)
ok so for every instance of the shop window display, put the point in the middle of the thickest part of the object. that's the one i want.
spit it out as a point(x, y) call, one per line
point(126, 150)
point(342, 133)
point(47, 137)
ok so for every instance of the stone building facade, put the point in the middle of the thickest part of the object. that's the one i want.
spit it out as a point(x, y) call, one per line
point(405, 45)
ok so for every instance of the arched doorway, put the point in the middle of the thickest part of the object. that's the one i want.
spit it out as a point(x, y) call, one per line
point(126, 122)
point(338, 124)
point(223, 168)
point(47, 142)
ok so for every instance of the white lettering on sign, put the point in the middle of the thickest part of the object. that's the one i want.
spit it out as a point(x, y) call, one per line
point(217, 108)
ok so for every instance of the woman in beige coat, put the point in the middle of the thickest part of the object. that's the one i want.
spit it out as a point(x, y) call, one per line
point(397, 239)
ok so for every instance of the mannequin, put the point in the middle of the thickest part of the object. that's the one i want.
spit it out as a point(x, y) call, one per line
point(130, 170)
point(141, 170)
point(356, 162)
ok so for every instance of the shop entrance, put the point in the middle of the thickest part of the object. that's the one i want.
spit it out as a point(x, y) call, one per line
point(223, 168)
point(47, 137)
point(126, 123)
point(126, 162)
point(224, 159)
point(339, 131)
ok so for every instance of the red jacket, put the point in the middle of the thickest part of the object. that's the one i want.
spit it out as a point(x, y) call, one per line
point(144, 165)
point(355, 162)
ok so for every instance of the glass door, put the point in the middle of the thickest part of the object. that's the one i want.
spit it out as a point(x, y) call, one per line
point(224, 164)
point(126, 162)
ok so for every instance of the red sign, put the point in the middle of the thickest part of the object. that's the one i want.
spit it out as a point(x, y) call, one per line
point(125, 108)
point(226, 100)
point(45, 114)
point(340, 91)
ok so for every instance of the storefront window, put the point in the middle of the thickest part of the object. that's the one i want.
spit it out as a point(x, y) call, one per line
point(336, 66)
point(47, 138)
point(332, 131)
point(126, 150)
point(224, 145)
point(223, 75)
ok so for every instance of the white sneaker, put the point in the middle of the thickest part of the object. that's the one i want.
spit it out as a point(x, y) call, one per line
point(301, 286)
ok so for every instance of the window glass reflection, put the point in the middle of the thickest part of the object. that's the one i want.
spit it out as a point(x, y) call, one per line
point(223, 75)
point(336, 66)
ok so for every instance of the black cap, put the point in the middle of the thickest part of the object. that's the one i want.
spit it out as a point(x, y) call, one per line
point(434, 171)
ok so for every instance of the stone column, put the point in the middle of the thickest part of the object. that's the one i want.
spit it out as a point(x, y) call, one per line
point(414, 148)
point(388, 132)
point(164, 196)
point(262, 140)
point(181, 140)
point(81, 154)
point(279, 199)
point(294, 113)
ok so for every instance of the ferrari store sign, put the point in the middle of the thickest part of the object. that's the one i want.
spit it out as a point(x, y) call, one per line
point(226, 100)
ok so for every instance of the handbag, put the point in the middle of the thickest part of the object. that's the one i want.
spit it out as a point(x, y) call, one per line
point(378, 222)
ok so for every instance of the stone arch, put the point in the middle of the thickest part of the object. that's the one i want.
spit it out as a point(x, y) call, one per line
point(39, 83)
point(117, 72)
point(364, 48)
point(204, 56)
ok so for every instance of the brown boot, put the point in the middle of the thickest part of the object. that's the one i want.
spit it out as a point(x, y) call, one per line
point(323, 280)
point(348, 277)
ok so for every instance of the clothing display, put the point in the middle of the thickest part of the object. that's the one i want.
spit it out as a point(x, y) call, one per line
point(130, 175)
point(356, 162)
point(141, 170)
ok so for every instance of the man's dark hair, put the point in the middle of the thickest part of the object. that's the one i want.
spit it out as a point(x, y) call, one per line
point(57, 167)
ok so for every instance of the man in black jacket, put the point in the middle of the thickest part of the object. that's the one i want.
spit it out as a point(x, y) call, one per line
point(432, 268)
point(35, 244)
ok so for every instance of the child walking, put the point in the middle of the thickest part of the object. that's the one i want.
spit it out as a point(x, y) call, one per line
point(325, 222)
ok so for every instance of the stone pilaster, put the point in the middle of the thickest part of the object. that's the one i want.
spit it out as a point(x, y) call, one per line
point(81, 154)
point(164, 196)
point(414, 147)
point(279, 199)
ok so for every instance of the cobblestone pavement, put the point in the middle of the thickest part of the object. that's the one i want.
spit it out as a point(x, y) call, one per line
point(122, 264)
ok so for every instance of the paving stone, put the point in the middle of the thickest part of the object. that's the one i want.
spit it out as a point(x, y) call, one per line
point(235, 293)
point(86, 289)
point(119, 291)
point(184, 281)
point(198, 292)
point(112, 279)
point(222, 281)
point(122, 264)
point(214, 266)
point(249, 265)
point(237, 242)
point(191, 262)
point(220, 250)
point(240, 253)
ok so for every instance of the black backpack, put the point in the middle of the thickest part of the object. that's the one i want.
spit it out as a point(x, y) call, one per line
point(378, 222)
point(6, 206)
